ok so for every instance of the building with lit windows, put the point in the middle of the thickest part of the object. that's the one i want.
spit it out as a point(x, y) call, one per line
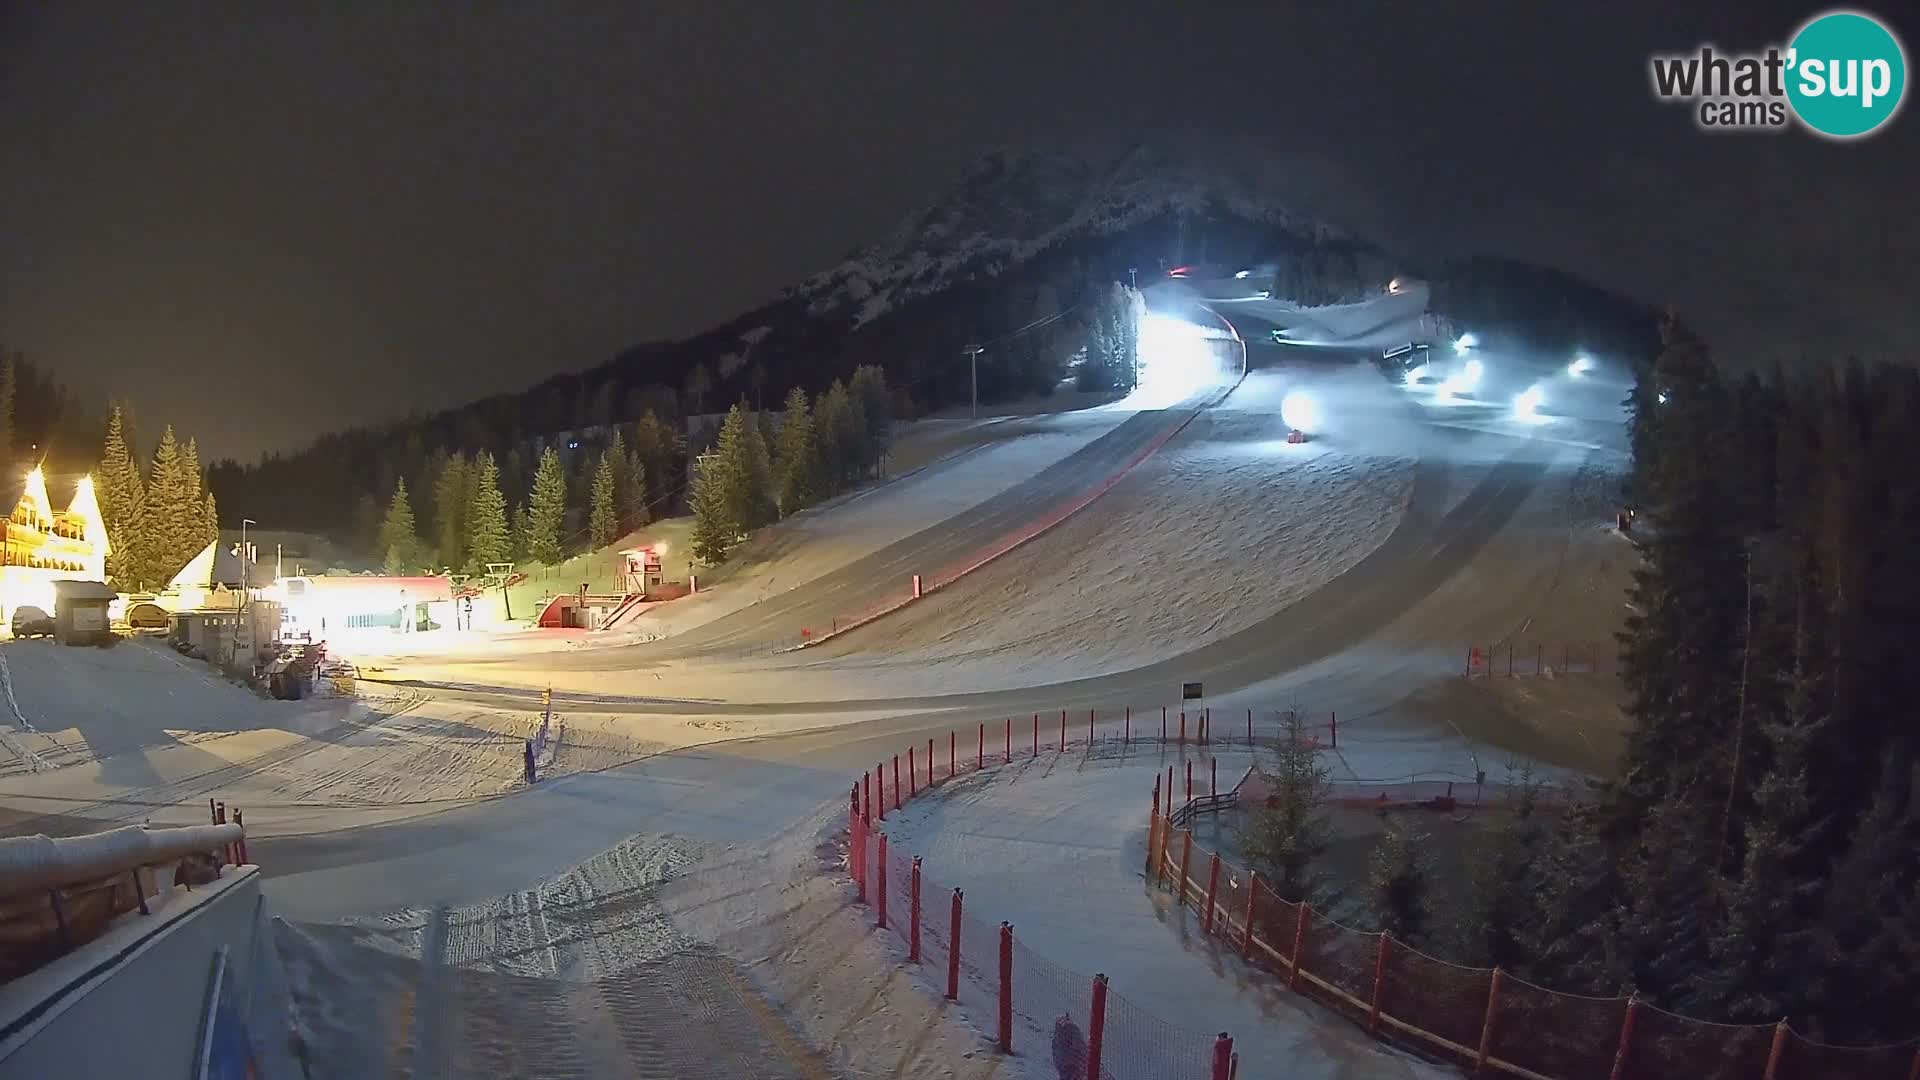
point(43, 544)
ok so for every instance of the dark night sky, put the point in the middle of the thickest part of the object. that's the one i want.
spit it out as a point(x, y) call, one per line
point(261, 223)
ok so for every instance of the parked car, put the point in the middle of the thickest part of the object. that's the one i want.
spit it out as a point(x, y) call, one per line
point(145, 616)
point(30, 621)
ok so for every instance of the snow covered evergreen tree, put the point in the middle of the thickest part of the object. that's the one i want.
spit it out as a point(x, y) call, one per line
point(797, 479)
point(1284, 837)
point(546, 510)
point(122, 497)
point(487, 538)
point(399, 539)
point(603, 518)
point(1397, 880)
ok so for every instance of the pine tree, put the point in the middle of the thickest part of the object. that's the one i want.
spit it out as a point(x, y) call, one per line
point(796, 456)
point(546, 510)
point(211, 516)
point(626, 508)
point(1765, 955)
point(196, 493)
point(1283, 838)
point(833, 425)
point(399, 541)
point(1492, 927)
point(173, 512)
point(123, 502)
point(1399, 870)
point(655, 446)
point(603, 521)
point(715, 530)
point(451, 503)
point(487, 537)
point(764, 509)
point(1870, 919)
point(630, 492)
point(869, 388)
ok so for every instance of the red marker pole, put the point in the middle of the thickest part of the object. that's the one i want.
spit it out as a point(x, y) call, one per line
point(953, 744)
point(913, 774)
point(1006, 988)
point(1036, 734)
point(880, 787)
point(1009, 740)
point(1213, 783)
point(1090, 713)
point(913, 916)
point(1183, 726)
point(1189, 779)
point(1163, 723)
point(896, 781)
point(980, 760)
point(1063, 731)
point(929, 762)
point(953, 949)
point(1096, 1025)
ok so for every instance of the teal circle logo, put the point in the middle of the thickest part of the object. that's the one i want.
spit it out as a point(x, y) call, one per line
point(1847, 74)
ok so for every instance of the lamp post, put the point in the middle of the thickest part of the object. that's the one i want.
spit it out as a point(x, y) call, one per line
point(246, 579)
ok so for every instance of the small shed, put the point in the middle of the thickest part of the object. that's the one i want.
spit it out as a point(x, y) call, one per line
point(80, 612)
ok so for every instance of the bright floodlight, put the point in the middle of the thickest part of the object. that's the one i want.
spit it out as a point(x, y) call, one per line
point(1526, 404)
point(1463, 343)
point(1662, 397)
point(1241, 274)
point(1580, 366)
point(1393, 286)
point(1176, 359)
point(1300, 411)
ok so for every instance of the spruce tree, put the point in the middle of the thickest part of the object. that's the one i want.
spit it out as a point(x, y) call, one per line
point(1283, 838)
point(546, 510)
point(399, 540)
point(625, 508)
point(869, 388)
point(210, 516)
point(796, 456)
point(122, 496)
point(630, 492)
point(196, 494)
point(764, 507)
point(1398, 880)
point(1491, 929)
point(487, 537)
point(1870, 921)
point(173, 512)
point(451, 503)
point(833, 428)
point(603, 521)
point(655, 446)
point(715, 529)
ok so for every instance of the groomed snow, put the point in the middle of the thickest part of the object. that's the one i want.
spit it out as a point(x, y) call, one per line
point(1226, 525)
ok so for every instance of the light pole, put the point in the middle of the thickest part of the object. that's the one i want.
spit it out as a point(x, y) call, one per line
point(1133, 276)
point(973, 376)
point(246, 579)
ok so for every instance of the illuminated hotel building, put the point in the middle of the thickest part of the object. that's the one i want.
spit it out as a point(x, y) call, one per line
point(43, 545)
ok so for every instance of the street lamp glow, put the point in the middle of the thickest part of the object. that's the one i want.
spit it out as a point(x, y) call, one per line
point(1580, 366)
point(1241, 274)
point(1464, 342)
point(1300, 411)
point(1526, 404)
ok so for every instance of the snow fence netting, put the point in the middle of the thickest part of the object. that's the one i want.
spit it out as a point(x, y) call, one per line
point(1566, 1036)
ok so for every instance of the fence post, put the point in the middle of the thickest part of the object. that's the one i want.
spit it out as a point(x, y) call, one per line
point(1189, 779)
point(1186, 861)
point(1126, 733)
point(1625, 1050)
point(980, 752)
point(1009, 740)
point(866, 795)
point(1777, 1050)
point(1379, 981)
point(880, 889)
point(1090, 715)
point(1333, 728)
point(1036, 734)
point(913, 775)
point(896, 781)
point(1486, 1027)
point(1006, 988)
point(853, 810)
point(929, 761)
point(1153, 822)
point(1304, 916)
point(953, 749)
point(1253, 897)
point(1222, 1057)
point(1183, 726)
point(880, 788)
point(953, 949)
point(1096, 1025)
point(1063, 731)
point(1206, 724)
point(1163, 725)
point(913, 914)
point(1249, 727)
point(1213, 889)
point(1213, 777)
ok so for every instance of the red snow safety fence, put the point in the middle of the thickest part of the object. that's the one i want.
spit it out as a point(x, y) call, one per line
point(1486, 1020)
point(1549, 658)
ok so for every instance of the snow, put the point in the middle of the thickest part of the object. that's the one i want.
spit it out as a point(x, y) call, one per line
point(1224, 526)
point(1056, 845)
